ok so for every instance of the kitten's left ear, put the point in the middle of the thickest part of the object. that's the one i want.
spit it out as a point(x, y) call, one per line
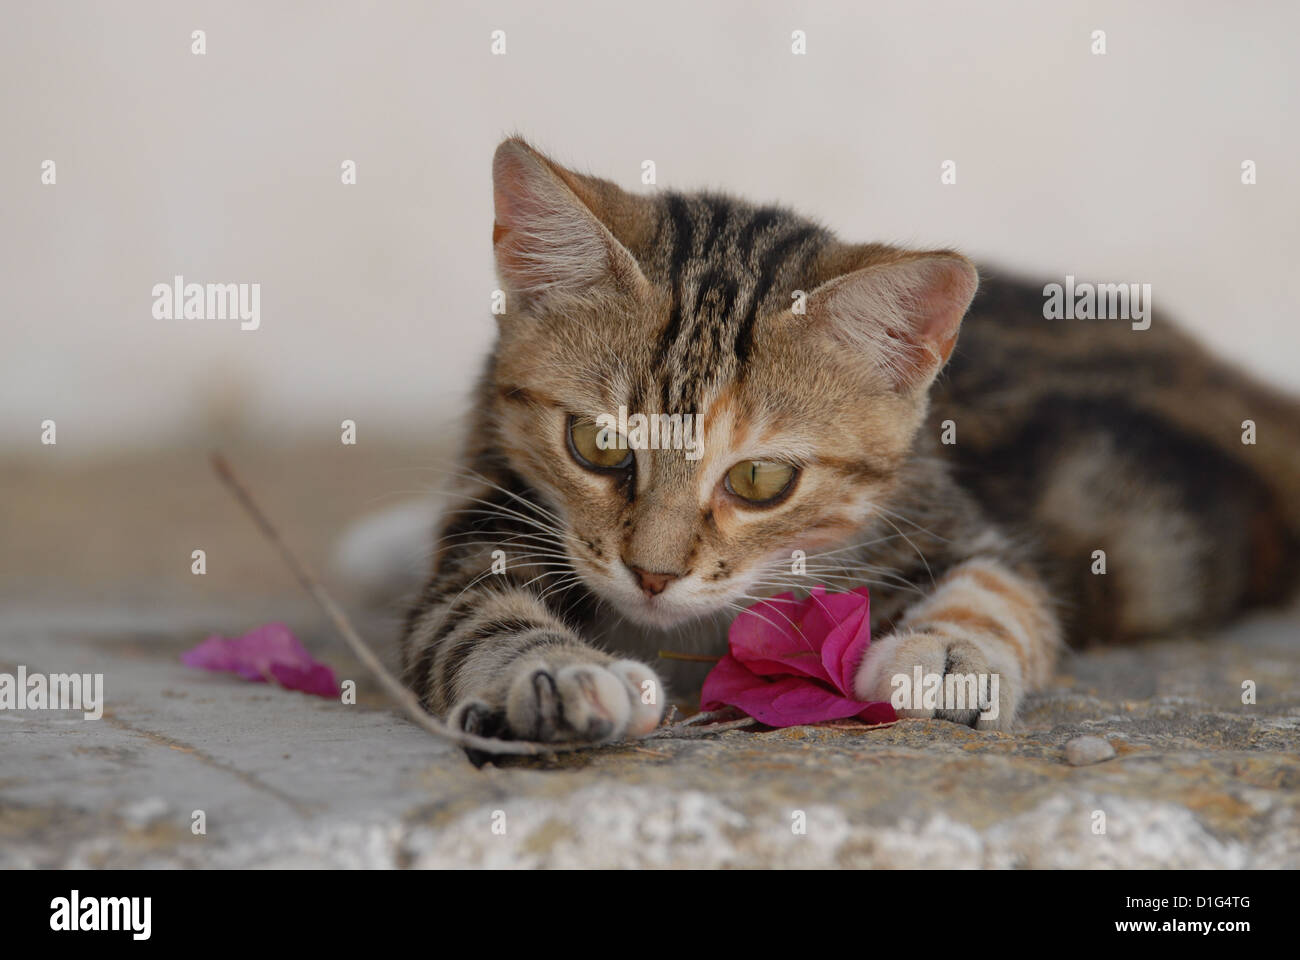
point(546, 240)
point(904, 315)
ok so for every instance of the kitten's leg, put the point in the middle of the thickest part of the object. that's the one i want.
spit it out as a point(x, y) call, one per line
point(495, 660)
point(982, 619)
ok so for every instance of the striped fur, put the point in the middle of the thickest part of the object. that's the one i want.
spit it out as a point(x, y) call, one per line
point(978, 554)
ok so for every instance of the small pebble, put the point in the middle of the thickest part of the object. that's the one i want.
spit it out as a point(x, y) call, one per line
point(1084, 750)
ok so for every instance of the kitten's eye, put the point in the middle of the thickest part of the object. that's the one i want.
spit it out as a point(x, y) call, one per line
point(585, 439)
point(759, 481)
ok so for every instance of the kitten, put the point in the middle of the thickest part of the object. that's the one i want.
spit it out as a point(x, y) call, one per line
point(814, 365)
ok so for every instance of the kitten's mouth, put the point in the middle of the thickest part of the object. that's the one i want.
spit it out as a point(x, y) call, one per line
point(660, 611)
point(663, 610)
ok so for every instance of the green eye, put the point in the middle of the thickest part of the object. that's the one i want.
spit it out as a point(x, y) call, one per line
point(760, 481)
point(585, 443)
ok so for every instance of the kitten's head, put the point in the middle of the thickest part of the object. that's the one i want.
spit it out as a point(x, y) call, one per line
point(807, 360)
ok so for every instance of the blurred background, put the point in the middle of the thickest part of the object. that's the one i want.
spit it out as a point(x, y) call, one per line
point(226, 167)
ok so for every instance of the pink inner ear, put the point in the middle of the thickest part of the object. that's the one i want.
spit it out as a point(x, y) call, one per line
point(544, 238)
point(904, 315)
point(941, 304)
point(510, 192)
point(514, 184)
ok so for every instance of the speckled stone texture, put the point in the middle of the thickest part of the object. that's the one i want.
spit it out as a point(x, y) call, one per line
point(1199, 778)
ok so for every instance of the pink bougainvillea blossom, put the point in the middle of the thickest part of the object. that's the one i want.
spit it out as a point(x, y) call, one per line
point(792, 661)
point(264, 654)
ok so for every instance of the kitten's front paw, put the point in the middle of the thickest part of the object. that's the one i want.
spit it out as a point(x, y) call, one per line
point(988, 704)
point(577, 701)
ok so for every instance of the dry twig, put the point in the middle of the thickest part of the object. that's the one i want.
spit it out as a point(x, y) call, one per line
point(394, 687)
point(404, 697)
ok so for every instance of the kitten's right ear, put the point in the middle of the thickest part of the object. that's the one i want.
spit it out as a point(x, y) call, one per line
point(902, 315)
point(546, 240)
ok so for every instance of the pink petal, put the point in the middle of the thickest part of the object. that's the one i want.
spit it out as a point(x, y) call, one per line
point(797, 666)
point(785, 702)
point(269, 652)
point(768, 639)
point(317, 679)
point(776, 702)
point(805, 702)
point(878, 711)
point(728, 680)
point(844, 645)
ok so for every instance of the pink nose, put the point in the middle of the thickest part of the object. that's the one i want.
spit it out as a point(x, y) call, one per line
point(652, 584)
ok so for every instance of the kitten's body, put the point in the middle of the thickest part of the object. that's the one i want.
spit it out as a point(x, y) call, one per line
point(1089, 435)
point(1070, 438)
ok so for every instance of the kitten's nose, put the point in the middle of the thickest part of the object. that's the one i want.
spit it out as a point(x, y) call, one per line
point(652, 584)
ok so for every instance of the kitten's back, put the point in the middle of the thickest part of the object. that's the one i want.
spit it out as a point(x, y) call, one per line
point(1090, 435)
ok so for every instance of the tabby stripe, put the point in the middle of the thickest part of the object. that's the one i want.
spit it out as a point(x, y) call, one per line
point(460, 647)
point(721, 208)
point(718, 281)
point(992, 604)
point(523, 632)
point(681, 251)
point(862, 470)
point(456, 611)
point(1020, 608)
point(763, 218)
point(773, 259)
point(420, 613)
point(457, 653)
point(421, 673)
point(542, 637)
point(966, 618)
point(715, 300)
point(446, 617)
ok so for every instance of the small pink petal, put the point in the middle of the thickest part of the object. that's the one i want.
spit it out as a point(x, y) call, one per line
point(269, 652)
point(878, 711)
point(317, 679)
point(844, 645)
point(783, 702)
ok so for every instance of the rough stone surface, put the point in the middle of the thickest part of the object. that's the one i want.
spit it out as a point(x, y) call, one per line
point(1199, 778)
point(290, 780)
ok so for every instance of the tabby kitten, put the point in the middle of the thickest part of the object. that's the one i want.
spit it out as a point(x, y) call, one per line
point(812, 362)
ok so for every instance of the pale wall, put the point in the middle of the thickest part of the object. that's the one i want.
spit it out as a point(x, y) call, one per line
point(225, 167)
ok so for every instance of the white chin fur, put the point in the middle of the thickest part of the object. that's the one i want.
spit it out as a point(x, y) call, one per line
point(658, 614)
